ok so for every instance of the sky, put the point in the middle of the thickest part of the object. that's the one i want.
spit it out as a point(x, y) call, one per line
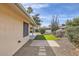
point(64, 11)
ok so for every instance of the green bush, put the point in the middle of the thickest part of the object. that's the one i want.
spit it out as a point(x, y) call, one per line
point(42, 31)
point(73, 34)
point(73, 22)
point(30, 31)
point(37, 30)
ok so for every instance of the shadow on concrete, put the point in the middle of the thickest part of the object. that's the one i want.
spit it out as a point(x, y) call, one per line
point(40, 37)
point(28, 50)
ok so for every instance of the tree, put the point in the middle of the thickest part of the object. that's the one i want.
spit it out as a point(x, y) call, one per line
point(42, 30)
point(29, 10)
point(69, 22)
point(76, 21)
point(54, 23)
point(37, 19)
point(73, 22)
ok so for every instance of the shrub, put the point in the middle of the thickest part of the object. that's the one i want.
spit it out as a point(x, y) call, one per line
point(73, 34)
point(37, 30)
point(42, 31)
point(73, 22)
point(60, 33)
point(30, 31)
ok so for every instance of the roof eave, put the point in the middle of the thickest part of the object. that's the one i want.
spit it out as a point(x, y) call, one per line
point(25, 12)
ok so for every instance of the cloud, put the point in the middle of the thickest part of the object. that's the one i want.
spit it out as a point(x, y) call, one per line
point(35, 5)
point(45, 16)
point(46, 20)
point(68, 16)
point(62, 18)
point(46, 11)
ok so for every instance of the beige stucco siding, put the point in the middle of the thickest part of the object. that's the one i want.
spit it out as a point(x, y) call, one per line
point(11, 30)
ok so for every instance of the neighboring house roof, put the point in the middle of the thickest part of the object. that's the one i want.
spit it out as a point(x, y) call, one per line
point(25, 12)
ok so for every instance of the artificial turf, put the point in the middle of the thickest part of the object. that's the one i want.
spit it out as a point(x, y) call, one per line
point(46, 37)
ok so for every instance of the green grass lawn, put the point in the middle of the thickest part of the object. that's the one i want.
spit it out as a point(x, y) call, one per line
point(46, 37)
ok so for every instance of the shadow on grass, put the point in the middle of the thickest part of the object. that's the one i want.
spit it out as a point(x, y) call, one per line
point(40, 37)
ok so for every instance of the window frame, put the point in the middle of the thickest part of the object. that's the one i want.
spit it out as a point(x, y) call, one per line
point(25, 29)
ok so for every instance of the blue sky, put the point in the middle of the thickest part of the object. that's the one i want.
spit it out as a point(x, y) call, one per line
point(64, 11)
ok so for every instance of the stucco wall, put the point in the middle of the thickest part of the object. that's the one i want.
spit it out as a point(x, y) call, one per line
point(11, 30)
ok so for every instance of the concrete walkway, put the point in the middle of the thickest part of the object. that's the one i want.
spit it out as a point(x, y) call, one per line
point(47, 48)
point(34, 48)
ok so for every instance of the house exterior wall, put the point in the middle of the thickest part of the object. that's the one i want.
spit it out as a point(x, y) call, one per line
point(11, 30)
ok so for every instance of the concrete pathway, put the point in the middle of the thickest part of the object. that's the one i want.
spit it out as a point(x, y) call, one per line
point(47, 48)
point(35, 48)
point(50, 43)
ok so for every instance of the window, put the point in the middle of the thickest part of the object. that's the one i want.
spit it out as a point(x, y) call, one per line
point(25, 29)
